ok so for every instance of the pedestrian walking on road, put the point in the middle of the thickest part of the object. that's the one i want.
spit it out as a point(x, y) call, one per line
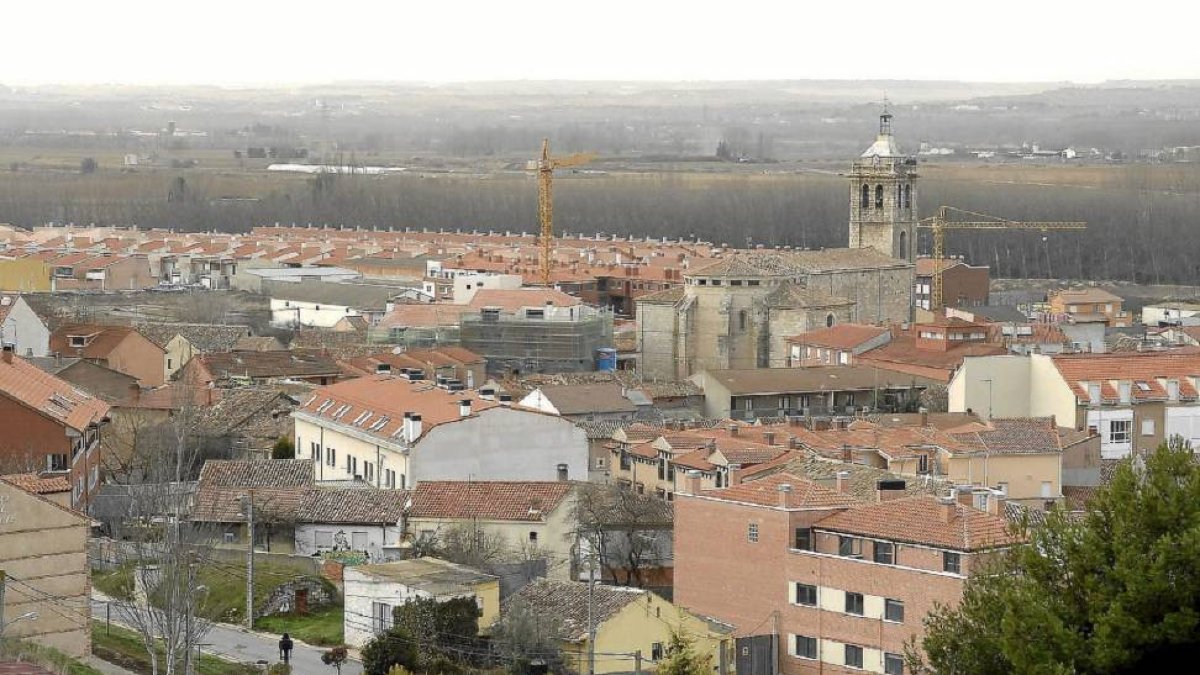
point(285, 649)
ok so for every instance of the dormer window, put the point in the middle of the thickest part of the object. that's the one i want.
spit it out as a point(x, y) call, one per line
point(1094, 393)
point(1126, 391)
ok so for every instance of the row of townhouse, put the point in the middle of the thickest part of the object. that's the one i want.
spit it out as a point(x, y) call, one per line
point(1133, 400)
point(839, 584)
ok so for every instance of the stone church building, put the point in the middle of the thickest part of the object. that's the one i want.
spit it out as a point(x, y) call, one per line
point(737, 311)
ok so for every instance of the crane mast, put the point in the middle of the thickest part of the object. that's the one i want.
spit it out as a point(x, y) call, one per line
point(940, 222)
point(545, 174)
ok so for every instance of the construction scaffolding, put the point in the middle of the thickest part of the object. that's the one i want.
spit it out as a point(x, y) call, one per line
point(520, 343)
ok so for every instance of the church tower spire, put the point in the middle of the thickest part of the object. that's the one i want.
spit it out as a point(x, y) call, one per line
point(883, 196)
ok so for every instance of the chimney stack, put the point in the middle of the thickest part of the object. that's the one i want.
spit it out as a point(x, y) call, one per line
point(562, 472)
point(733, 430)
point(464, 408)
point(847, 454)
point(769, 437)
point(8, 353)
point(412, 425)
point(843, 481)
point(886, 490)
point(996, 501)
point(692, 482)
point(785, 495)
point(948, 506)
point(924, 416)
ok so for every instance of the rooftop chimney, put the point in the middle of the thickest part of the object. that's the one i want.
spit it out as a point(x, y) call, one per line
point(847, 454)
point(733, 430)
point(843, 481)
point(505, 399)
point(886, 490)
point(995, 504)
point(769, 437)
point(562, 472)
point(412, 426)
point(924, 416)
point(948, 506)
point(8, 353)
point(464, 408)
point(692, 482)
point(785, 495)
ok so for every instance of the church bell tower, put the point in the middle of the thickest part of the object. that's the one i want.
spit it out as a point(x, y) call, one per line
point(883, 197)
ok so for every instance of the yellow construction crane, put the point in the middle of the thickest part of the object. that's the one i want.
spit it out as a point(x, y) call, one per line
point(545, 169)
point(941, 222)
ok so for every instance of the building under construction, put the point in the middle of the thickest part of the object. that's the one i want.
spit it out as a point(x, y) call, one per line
point(537, 340)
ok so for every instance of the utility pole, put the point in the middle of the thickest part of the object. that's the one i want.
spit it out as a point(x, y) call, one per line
point(3, 577)
point(248, 509)
point(592, 604)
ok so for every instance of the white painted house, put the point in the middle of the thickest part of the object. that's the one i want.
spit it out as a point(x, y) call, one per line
point(21, 327)
point(395, 430)
point(373, 592)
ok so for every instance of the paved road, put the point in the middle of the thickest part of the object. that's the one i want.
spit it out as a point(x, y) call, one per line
point(237, 644)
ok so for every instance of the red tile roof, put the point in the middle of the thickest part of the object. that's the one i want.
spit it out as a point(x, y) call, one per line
point(489, 500)
point(841, 336)
point(805, 494)
point(512, 300)
point(920, 520)
point(49, 396)
point(103, 339)
point(39, 485)
point(380, 402)
point(1150, 368)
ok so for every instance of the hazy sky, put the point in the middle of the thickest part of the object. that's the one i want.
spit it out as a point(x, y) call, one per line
point(273, 41)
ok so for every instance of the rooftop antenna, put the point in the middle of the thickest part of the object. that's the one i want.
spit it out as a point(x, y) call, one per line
point(885, 118)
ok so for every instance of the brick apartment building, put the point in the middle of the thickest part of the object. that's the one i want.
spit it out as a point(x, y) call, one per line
point(963, 285)
point(49, 427)
point(840, 585)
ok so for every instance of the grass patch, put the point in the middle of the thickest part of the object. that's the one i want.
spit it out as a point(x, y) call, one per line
point(322, 628)
point(47, 657)
point(125, 648)
point(225, 599)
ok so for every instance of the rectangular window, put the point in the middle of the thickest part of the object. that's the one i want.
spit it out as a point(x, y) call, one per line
point(359, 540)
point(893, 664)
point(804, 540)
point(805, 647)
point(56, 462)
point(854, 656)
point(805, 594)
point(323, 539)
point(1147, 427)
point(854, 603)
point(893, 610)
point(850, 547)
point(1119, 431)
point(330, 456)
point(533, 538)
point(656, 651)
point(951, 562)
point(752, 533)
point(381, 617)
point(885, 553)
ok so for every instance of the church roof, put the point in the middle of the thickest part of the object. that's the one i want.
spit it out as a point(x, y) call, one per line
point(794, 295)
point(749, 263)
point(884, 146)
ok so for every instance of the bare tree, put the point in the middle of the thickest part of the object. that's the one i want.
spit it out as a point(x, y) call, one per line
point(165, 552)
point(630, 532)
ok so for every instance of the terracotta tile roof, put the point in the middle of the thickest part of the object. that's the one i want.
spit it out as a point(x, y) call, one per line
point(527, 501)
point(563, 605)
point(818, 378)
point(355, 505)
point(278, 487)
point(696, 459)
point(805, 494)
point(424, 315)
point(257, 343)
point(1071, 295)
point(48, 395)
point(39, 485)
point(1152, 369)
point(512, 300)
point(861, 483)
point(841, 336)
point(101, 339)
point(267, 365)
point(919, 520)
point(22, 668)
point(1013, 436)
point(203, 336)
point(926, 267)
point(376, 404)
point(668, 296)
point(902, 351)
point(748, 263)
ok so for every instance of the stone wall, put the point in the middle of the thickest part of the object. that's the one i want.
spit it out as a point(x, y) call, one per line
point(283, 599)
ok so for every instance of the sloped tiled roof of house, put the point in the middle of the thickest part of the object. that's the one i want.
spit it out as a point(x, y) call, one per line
point(39, 485)
point(352, 506)
point(277, 485)
point(204, 337)
point(376, 404)
point(564, 604)
point(805, 493)
point(515, 299)
point(102, 339)
point(1085, 295)
point(55, 398)
point(921, 520)
point(424, 315)
point(264, 365)
point(1012, 436)
point(841, 336)
point(861, 481)
point(667, 296)
point(1151, 369)
point(489, 500)
point(258, 343)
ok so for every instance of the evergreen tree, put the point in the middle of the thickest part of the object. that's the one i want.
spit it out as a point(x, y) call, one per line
point(682, 658)
point(1116, 591)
